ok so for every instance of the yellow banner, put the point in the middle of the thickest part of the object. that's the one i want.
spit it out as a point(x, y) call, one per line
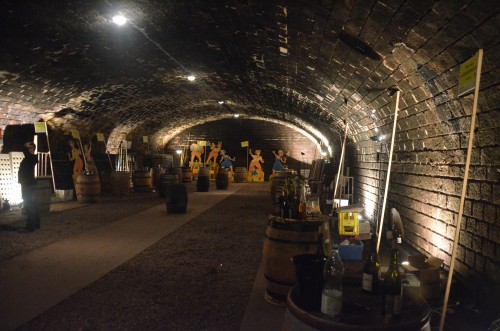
point(40, 127)
point(145, 139)
point(244, 143)
point(75, 134)
point(100, 136)
point(467, 78)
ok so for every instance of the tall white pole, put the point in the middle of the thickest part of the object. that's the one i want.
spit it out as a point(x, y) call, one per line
point(342, 155)
point(382, 211)
point(464, 188)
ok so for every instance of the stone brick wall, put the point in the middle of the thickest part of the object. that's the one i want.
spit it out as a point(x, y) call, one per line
point(428, 170)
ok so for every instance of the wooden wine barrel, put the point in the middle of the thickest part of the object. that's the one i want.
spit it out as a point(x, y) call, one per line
point(222, 179)
point(285, 239)
point(177, 171)
point(240, 175)
point(142, 180)
point(105, 178)
point(187, 175)
point(157, 173)
point(43, 194)
point(120, 183)
point(203, 180)
point(176, 199)
point(165, 181)
point(88, 188)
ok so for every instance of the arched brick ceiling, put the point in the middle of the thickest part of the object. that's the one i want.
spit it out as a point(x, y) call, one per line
point(291, 61)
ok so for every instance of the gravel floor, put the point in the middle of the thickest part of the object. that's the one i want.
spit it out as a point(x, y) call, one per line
point(197, 278)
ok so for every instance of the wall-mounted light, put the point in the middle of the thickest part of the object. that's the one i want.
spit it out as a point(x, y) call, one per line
point(191, 78)
point(179, 151)
point(221, 102)
point(119, 19)
point(236, 115)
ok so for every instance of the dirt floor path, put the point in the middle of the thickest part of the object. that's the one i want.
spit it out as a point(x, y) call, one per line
point(199, 277)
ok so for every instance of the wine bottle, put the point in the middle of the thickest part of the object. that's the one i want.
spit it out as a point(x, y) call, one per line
point(393, 290)
point(331, 298)
point(302, 214)
point(286, 206)
point(371, 269)
point(281, 205)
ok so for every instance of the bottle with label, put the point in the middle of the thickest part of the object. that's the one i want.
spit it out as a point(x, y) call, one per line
point(285, 207)
point(302, 212)
point(331, 298)
point(371, 269)
point(393, 290)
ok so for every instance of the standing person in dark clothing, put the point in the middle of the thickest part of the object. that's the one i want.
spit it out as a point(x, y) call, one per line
point(27, 180)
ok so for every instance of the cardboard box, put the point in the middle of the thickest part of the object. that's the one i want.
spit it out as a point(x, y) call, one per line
point(428, 273)
point(353, 251)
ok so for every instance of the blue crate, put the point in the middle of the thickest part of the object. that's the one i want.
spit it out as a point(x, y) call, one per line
point(354, 251)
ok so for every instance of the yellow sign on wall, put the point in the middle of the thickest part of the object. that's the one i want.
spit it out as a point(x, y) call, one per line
point(100, 136)
point(244, 143)
point(467, 78)
point(145, 139)
point(40, 127)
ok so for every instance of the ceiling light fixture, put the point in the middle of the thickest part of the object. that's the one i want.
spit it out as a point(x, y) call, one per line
point(119, 19)
point(191, 78)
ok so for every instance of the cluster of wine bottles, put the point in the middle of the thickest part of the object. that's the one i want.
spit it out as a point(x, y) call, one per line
point(390, 289)
point(292, 202)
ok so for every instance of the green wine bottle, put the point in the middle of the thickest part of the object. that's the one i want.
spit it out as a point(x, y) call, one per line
point(371, 269)
point(393, 290)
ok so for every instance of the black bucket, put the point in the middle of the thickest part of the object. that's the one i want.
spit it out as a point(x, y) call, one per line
point(308, 280)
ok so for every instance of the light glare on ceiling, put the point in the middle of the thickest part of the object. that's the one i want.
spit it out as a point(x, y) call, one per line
point(119, 19)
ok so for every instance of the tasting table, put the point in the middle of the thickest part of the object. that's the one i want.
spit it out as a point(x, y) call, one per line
point(360, 311)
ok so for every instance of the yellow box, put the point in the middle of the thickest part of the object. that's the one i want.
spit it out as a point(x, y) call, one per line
point(348, 217)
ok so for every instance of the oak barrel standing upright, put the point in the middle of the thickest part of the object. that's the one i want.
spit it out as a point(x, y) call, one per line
point(203, 181)
point(43, 193)
point(87, 188)
point(177, 198)
point(165, 181)
point(143, 180)
point(187, 175)
point(285, 238)
point(120, 183)
point(222, 179)
point(240, 175)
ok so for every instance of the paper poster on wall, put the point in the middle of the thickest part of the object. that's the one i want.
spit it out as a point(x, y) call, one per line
point(75, 134)
point(100, 137)
point(145, 139)
point(40, 127)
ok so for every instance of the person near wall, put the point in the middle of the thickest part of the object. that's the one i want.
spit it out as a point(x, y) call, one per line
point(27, 180)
